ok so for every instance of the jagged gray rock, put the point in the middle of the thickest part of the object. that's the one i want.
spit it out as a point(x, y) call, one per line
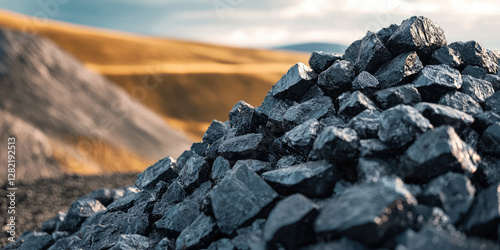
point(439, 147)
point(418, 34)
point(336, 144)
point(313, 179)
point(372, 53)
point(366, 212)
point(478, 89)
point(462, 102)
point(294, 83)
point(401, 124)
point(320, 61)
point(399, 70)
point(390, 97)
point(442, 115)
point(241, 195)
point(435, 80)
point(337, 78)
point(290, 222)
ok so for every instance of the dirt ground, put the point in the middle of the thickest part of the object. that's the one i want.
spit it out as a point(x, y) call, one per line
point(41, 200)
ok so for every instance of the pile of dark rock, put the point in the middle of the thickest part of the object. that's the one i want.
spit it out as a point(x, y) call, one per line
point(395, 144)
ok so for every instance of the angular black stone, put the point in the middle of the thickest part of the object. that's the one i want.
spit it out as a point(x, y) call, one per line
point(215, 131)
point(178, 217)
point(474, 54)
point(174, 194)
point(406, 94)
point(399, 70)
point(366, 83)
point(367, 212)
point(254, 165)
point(437, 152)
point(452, 192)
point(336, 144)
point(131, 241)
point(143, 203)
point(338, 78)
point(289, 160)
point(219, 168)
point(320, 61)
point(355, 104)
point(312, 109)
point(435, 80)
point(448, 56)
point(125, 202)
point(490, 140)
point(385, 33)
point(462, 102)
point(198, 234)
point(478, 89)
point(106, 233)
point(400, 125)
point(474, 71)
point(183, 158)
point(199, 148)
point(313, 92)
point(366, 124)
point(249, 146)
point(494, 80)
point(163, 170)
point(418, 34)
point(301, 138)
point(267, 105)
point(276, 115)
point(493, 103)
point(290, 222)
point(70, 243)
point(79, 211)
point(443, 115)
point(241, 117)
point(294, 83)
point(372, 53)
point(240, 196)
point(312, 179)
point(484, 216)
point(195, 172)
point(352, 52)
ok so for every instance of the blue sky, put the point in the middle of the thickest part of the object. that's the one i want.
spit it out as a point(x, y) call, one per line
point(266, 23)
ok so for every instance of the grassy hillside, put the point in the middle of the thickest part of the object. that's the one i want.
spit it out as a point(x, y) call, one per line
point(187, 83)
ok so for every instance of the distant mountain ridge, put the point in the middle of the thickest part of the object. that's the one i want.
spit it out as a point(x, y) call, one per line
point(310, 47)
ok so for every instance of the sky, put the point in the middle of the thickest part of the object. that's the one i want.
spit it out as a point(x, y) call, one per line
point(269, 23)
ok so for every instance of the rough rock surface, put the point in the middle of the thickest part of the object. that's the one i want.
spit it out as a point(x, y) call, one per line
point(406, 159)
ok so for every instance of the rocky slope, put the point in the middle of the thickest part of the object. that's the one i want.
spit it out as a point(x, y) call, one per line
point(69, 119)
point(394, 145)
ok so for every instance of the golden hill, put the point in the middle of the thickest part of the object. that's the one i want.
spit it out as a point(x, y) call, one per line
point(187, 83)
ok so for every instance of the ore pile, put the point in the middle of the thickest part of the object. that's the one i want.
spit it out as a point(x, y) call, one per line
point(395, 144)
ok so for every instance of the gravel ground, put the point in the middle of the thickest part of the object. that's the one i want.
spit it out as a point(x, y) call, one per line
point(41, 200)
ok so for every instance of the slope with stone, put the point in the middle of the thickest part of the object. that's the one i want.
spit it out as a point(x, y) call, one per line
point(69, 119)
point(332, 159)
